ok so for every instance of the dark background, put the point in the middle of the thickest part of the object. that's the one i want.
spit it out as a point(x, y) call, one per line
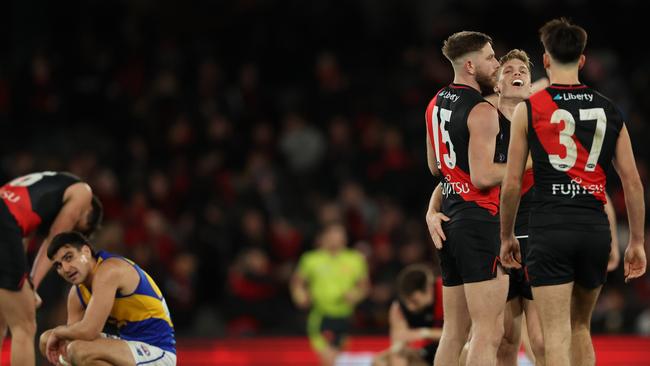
point(219, 134)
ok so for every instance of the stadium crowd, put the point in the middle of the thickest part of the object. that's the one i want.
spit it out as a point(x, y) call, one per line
point(219, 135)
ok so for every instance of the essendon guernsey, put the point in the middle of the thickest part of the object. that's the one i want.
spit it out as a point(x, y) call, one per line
point(527, 182)
point(572, 134)
point(35, 200)
point(446, 119)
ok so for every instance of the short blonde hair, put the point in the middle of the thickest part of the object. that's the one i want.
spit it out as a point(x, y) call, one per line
point(516, 54)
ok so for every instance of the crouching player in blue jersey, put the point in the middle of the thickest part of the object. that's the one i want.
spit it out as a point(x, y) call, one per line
point(107, 290)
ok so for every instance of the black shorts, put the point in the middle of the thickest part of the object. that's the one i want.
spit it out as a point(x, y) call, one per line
point(428, 352)
point(13, 263)
point(323, 330)
point(559, 255)
point(470, 253)
point(519, 285)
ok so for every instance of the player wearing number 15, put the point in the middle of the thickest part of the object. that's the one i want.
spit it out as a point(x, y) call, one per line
point(47, 203)
point(574, 134)
point(462, 130)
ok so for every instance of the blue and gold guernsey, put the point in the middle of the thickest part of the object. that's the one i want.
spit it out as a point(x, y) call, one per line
point(141, 316)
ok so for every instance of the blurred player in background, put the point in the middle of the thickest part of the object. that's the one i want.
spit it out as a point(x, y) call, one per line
point(573, 134)
point(46, 203)
point(107, 289)
point(331, 280)
point(415, 319)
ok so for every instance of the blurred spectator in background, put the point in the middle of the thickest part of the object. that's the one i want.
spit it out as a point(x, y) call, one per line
point(179, 118)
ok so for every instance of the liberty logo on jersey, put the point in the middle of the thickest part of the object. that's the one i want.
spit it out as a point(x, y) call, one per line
point(449, 187)
point(576, 188)
point(448, 95)
point(571, 96)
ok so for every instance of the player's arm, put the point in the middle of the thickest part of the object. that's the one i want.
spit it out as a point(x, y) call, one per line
point(625, 165)
point(77, 198)
point(431, 157)
point(483, 124)
point(361, 288)
point(401, 333)
point(511, 186)
point(434, 217)
point(539, 84)
point(107, 279)
point(74, 308)
point(614, 254)
point(298, 287)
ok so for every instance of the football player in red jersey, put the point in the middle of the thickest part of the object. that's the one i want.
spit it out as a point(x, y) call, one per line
point(48, 203)
point(574, 135)
point(462, 130)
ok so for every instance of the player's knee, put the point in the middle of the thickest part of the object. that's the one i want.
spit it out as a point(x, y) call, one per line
point(42, 341)
point(537, 345)
point(579, 325)
point(77, 352)
point(507, 350)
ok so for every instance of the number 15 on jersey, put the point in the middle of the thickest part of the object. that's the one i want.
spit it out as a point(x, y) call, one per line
point(439, 120)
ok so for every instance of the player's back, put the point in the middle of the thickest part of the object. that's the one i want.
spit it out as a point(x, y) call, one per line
point(36, 199)
point(446, 118)
point(572, 137)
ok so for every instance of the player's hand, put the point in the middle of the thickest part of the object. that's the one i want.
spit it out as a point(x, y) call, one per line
point(53, 348)
point(510, 252)
point(302, 300)
point(434, 223)
point(634, 262)
point(614, 257)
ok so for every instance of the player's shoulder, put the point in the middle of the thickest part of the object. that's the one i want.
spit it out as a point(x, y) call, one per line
point(112, 268)
point(482, 111)
point(354, 254)
point(434, 98)
point(311, 256)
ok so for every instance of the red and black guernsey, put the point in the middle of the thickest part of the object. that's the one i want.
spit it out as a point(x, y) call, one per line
point(430, 316)
point(572, 134)
point(528, 182)
point(35, 200)
point(446, 119)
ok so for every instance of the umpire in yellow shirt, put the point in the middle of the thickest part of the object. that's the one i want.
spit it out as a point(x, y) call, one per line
point(332, 280)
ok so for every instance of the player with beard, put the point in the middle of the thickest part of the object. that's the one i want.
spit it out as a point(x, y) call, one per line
point(573, 135)
point(462, 130)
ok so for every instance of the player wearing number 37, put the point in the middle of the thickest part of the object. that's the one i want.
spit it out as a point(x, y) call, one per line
point(108, 291)
point(46, 203)
point(574, 134)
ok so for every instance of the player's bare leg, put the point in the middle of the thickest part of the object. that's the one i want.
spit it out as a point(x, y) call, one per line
point(582, 306)
point(486, 317)
point(533, 333)
point(100, 352)
point(18, 310)
point(328, 355)
point(3, 333)
point(509, 347)
point(554, 306)
point(456, 326)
